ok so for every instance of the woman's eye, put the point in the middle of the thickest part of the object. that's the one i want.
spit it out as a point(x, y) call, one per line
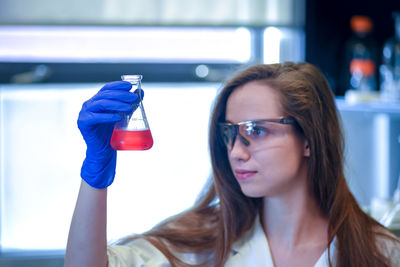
point(257, 131)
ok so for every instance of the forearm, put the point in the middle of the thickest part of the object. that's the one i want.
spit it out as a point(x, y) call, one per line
point(87, 240)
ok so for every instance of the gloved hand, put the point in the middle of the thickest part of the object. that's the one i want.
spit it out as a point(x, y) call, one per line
point(96, 122)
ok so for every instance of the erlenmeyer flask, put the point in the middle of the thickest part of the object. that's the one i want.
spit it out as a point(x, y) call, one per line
point(133, 132)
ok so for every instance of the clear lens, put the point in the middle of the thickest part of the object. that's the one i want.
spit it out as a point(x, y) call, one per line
point(256, 134)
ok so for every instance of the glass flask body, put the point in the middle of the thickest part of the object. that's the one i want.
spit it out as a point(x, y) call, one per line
point(361, 56)
point(133, 131)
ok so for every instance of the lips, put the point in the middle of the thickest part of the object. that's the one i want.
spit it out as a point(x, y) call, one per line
point(244, 174)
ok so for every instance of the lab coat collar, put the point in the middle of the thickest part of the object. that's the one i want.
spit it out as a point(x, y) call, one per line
point(253, 250)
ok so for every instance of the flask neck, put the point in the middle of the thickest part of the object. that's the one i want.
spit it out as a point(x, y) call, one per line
point(133, 79)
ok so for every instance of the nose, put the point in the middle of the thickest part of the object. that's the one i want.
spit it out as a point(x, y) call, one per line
point(239, 150)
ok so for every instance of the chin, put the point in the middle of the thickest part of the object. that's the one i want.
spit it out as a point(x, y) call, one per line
point(253, 192)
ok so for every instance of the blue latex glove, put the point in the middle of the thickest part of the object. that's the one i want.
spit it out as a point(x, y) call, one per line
point(96, 122)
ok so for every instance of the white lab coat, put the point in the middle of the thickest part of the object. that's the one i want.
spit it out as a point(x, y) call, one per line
point(252, 250)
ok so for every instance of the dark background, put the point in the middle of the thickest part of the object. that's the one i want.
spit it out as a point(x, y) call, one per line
point(328, 28)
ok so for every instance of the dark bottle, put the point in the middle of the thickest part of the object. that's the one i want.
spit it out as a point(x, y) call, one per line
point(361, 56)
point(390, 68)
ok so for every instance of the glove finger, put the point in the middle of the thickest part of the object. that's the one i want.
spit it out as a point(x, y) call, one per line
point(139, 93)
point(107, 106)
point(118, 85)
point(91, 118)
point(122, 96)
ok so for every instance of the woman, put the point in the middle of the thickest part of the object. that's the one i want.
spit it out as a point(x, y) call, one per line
point(278, 195)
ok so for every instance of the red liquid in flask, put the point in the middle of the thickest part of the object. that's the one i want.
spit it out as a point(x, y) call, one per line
point(131, 140)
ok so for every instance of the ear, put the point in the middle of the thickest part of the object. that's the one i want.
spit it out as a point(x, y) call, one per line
point(306, 148)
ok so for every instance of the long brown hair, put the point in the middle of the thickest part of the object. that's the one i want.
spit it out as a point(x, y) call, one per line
point(223, 213)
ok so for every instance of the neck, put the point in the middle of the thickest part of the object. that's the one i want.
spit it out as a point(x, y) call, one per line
point(294, 219)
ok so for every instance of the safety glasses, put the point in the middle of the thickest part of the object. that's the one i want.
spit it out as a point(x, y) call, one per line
point(254, 134)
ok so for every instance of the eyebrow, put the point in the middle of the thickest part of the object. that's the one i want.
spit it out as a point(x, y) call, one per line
point(281, 120)
point(278, 117)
